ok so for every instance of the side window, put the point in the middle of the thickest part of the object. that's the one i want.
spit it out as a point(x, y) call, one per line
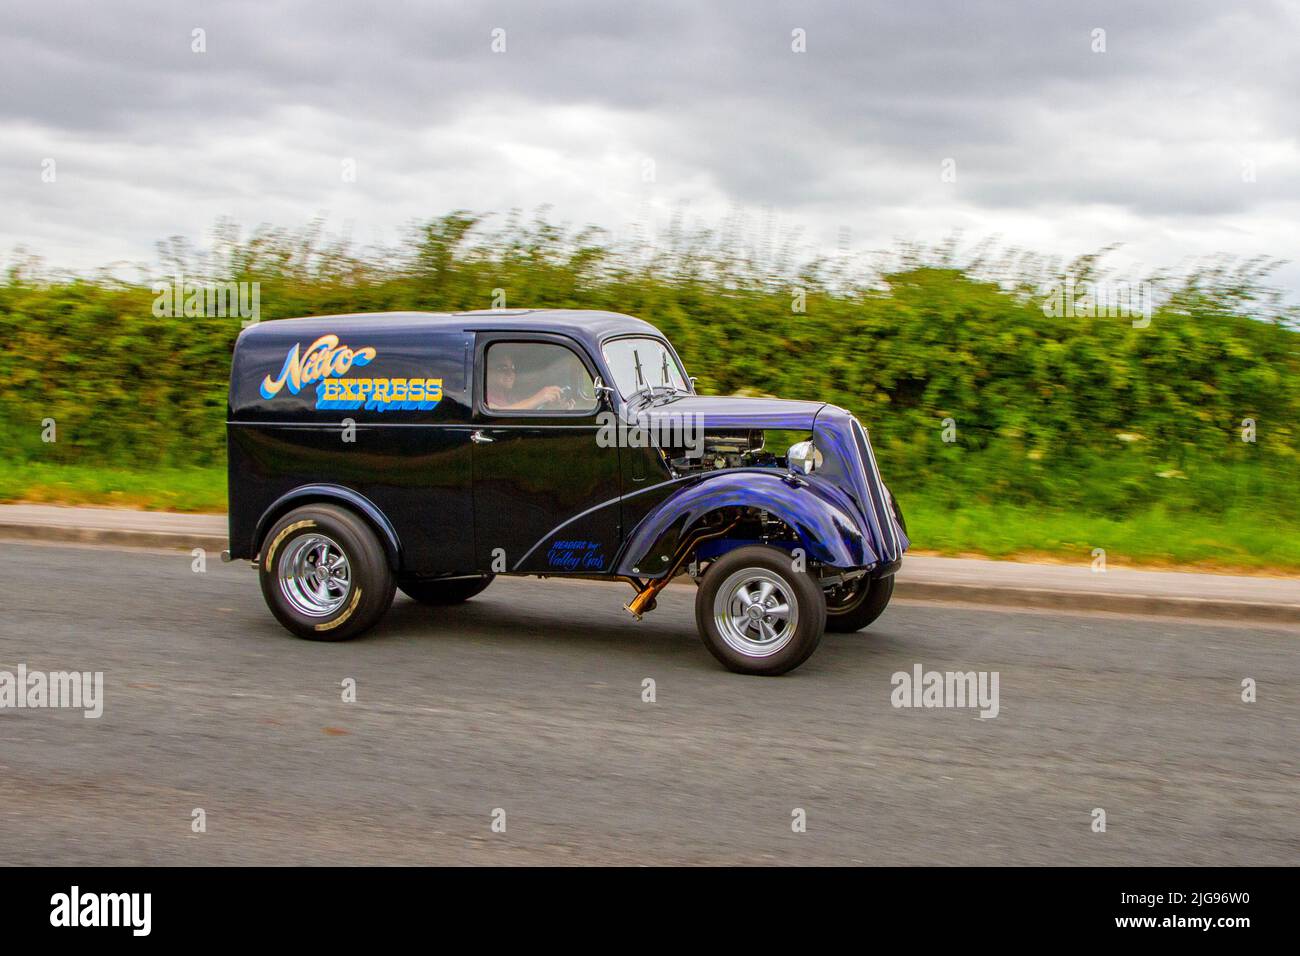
point(536, 376)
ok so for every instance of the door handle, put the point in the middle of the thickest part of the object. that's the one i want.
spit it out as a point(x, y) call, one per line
point(479, 438)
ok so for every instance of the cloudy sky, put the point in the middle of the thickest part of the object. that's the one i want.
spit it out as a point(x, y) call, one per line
point(1179, 140)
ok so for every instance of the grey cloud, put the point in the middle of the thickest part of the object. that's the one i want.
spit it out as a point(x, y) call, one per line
point(711, 91)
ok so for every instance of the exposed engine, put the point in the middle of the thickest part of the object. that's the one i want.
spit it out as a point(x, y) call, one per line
point(723, 449)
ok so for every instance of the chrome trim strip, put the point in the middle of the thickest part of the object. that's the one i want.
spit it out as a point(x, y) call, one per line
point(890, 522)
point(870, 508)
point(876, 489)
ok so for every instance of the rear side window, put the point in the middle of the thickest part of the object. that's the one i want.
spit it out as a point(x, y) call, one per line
point(536, 376)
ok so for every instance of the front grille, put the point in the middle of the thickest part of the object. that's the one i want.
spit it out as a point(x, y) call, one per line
point(889, 536)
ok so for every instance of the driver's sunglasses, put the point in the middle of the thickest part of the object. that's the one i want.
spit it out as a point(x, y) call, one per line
point(506, 367)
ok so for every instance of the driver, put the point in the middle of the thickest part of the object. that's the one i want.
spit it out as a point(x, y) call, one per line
point(501, 386)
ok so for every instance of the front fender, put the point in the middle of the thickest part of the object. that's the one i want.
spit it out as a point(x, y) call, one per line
point(825, 530)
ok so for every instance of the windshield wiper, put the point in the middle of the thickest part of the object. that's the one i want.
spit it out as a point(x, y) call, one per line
point(666, 384)
point(644, 391)
point(641, 385)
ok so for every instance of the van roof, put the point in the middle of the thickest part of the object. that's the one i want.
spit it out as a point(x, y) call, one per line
point(587, 325)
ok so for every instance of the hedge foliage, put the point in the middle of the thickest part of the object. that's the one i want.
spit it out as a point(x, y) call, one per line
point(1081, 412)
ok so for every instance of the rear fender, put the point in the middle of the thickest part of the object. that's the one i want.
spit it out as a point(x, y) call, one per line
point(337, 495)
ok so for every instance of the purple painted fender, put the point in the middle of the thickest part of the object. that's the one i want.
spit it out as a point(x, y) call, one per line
point(823, 518)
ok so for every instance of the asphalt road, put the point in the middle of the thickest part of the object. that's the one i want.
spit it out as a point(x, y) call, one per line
point(529, 699)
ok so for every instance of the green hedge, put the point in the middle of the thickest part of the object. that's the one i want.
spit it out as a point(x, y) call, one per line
point(1070, 412)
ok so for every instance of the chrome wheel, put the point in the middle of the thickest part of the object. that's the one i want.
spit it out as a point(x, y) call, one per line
point(755, 612)
point(314, 575)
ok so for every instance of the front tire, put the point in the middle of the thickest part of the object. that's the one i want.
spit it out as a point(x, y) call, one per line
point(440, 593)
point(756, 614)
point(324, 575)
point(860, 606)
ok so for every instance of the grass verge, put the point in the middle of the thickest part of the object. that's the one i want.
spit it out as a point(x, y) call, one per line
point(1251, 541)
point(157, 489)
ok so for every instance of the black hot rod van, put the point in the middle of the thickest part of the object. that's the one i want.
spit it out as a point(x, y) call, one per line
point(430, 452)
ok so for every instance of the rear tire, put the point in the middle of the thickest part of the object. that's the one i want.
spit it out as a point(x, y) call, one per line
point(756, 614)
point(860, 607)
point(324, 575)
point(440, 593)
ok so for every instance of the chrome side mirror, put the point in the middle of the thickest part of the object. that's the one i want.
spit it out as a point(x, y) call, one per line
point(603, 391)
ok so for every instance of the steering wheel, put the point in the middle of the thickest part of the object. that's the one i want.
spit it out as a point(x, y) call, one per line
point(565, 401)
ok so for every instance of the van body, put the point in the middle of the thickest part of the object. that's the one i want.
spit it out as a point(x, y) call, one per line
point(431, 451)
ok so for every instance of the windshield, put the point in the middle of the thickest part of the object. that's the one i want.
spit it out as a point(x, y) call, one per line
point(637, 363)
